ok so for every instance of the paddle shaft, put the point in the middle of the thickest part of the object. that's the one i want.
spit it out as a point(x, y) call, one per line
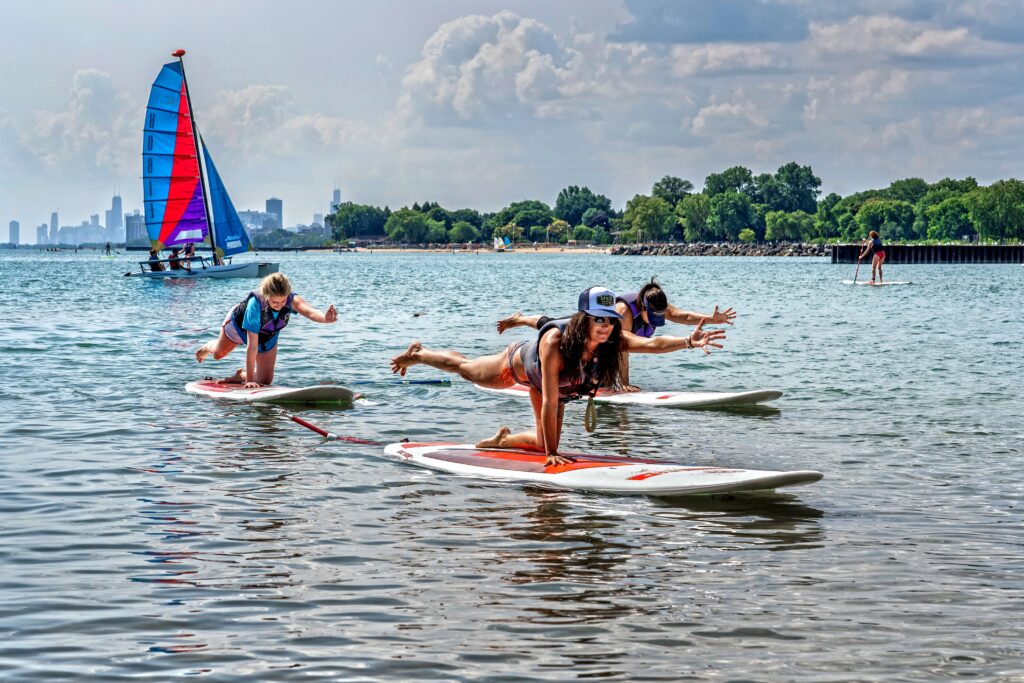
point(857, 270)
point(331, 436)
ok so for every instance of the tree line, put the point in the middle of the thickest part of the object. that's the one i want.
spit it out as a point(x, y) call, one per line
point(734, 205)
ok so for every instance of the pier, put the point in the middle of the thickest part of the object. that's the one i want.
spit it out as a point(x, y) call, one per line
point(935, 253)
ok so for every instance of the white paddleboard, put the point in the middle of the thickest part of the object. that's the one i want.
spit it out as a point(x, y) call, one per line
point(665, 399)
point(598, 473)
point(320, 393)
point(869, 283)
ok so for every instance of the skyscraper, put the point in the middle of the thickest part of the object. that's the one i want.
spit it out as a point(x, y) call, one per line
point(41, 234)
point(276, 206)
point(14, 232)
point(54, 227)
point(336, 200)
point(135, 229)
point(115, 222)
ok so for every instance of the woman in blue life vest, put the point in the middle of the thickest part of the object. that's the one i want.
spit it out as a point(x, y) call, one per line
point(877, 250)
point(571, 357)
point(255, 322)
point(642, 313)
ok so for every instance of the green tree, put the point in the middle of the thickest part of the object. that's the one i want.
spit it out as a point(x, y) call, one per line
point(471, 216)
point(671, 189)
point(693, 212)
point(747, 235)
point(892, 218)
point(730, 212)
point(826, 219)
point(595, 217)
point(997, 211)
point(462, 231)
point(798, 188)
point(410, 226)
point(556, 229)
point(574, 201)
point(525, 214)
point(736, 178)
point(908, 190)
point(796, 226)
point(649, 218)
point(356, 220)
point(949, 219)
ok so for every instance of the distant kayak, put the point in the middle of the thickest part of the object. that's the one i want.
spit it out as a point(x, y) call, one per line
point(665, 399)
point(609, 474)
point(319, 393)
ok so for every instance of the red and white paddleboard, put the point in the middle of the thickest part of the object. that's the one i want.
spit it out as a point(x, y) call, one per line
point(598, 473)
point(320, 393)
point(665, 399)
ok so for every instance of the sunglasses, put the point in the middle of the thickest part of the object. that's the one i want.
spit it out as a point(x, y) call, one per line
point(603, 319)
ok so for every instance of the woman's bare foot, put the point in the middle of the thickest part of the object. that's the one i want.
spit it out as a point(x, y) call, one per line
point(514, 320)
point(496, 440)
point(401, 362)
point(202, 353)
point(237, 378)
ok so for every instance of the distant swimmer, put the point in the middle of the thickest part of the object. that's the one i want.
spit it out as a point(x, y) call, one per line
point(877, 250)
point(570, 358)
point(255, 322)
point(642, 313)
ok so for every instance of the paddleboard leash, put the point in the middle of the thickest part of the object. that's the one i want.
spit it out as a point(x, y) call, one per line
point(330, 436)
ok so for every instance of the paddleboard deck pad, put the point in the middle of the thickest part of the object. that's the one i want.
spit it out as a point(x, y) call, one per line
point(666, 399)
point(876, 284)
point(610, 474)
point(320, 393)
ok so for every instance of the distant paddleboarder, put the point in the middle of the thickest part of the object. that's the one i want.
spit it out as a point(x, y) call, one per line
point(877, 250)
point(642, 313)
point(255, 322)
point(570, 358)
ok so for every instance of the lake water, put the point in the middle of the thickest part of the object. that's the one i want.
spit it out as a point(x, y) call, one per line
point(148, 534)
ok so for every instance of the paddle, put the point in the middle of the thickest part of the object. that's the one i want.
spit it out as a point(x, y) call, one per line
point(859, 250)
point(330, 436)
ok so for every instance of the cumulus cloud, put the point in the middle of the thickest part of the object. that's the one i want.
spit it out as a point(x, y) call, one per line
point(485, 69)
point(727, 58)
point(91, 134)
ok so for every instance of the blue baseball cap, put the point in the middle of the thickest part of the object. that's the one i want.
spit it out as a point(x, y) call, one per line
point(598, 301)
point(656, 318)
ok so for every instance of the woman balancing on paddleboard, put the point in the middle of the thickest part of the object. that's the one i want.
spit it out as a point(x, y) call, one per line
point(255, 322)
point(570, 358)
point(642, 313)
point(877, 250)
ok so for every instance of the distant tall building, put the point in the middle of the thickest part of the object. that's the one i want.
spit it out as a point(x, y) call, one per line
point(276, 207)
point(318, 219)
point(336, 200)
point(114, 218)
point(94, 220)
point(41, 233)
point(135, 228)
point(14, 232)
point(54, 228)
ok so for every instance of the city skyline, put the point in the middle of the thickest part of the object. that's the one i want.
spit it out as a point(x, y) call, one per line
point(483, 103)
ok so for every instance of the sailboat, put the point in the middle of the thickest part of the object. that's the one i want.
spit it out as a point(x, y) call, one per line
point(185, 199)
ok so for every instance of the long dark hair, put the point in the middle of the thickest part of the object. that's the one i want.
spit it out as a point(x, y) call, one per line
point(652, 297)
point(608, 355)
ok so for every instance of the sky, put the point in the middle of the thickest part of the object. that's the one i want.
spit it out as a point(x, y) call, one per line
point(479, 104)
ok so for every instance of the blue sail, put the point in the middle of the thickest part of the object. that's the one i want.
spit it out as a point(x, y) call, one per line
point(228, 229)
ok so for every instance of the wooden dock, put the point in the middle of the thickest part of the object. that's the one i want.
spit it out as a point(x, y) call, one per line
point(938, 253)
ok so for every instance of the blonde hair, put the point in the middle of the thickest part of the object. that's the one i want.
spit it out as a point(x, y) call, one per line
point(275, 284)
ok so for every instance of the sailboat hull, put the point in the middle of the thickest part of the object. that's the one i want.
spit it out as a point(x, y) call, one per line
point(232, 270)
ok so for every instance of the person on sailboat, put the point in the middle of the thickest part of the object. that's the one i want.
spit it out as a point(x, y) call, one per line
point(154, 261)
point(255, 322)
point(570, 358)
point(187, 254)
point(174, 261)
point(641, 312)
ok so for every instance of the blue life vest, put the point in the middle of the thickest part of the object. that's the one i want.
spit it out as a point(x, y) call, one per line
point(640, 328)
point(269, 325)
point(876, 245)
point(572, 383)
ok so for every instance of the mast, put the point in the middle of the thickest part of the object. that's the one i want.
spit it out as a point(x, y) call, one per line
point(199, 159)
